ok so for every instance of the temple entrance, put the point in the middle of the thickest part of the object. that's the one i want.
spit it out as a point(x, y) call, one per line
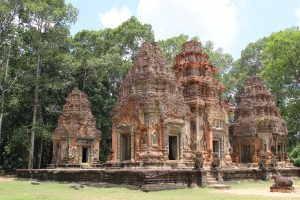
point(173, 148)
point(216, 148)
point(85, 155)
point(246, 154)
point(279, 150)
point(125, 147)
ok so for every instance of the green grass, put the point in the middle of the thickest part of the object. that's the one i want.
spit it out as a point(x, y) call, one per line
point(10, 190)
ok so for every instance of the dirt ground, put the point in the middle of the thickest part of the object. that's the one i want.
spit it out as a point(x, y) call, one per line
point(7, 178)
point(264, 192)
point(253, 191)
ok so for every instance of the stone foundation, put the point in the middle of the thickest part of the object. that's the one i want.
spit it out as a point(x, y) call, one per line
point(257, 174)
point(145, 165)
point(282, 189)
point(145, 180)
point(148, 179)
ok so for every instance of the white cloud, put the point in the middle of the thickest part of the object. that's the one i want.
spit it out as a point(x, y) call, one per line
point(215, 20)
point(115, 16)
point(297, 13)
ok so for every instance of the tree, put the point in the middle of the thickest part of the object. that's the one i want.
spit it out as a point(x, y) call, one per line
point(48, 21)
point(250, 63)
point(295, 155)
point(9, 38)
point(223, 61)
point(282, 73)
point(130, 35)
point(172, 46)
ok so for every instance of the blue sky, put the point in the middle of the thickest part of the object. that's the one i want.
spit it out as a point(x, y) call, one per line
point(230, 24)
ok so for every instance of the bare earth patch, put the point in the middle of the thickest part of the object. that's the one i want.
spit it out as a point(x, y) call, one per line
point(264, 192)
point(6, 179)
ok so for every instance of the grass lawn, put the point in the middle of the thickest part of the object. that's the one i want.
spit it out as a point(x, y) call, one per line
point(11, 189)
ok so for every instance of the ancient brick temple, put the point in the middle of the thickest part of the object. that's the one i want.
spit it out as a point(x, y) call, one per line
point(76, 139)
point(151, 119)
point(258, 127)
point(203, 94)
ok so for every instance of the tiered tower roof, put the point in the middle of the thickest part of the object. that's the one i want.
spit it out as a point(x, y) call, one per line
point(197, 75)
point(257, 110)
point(150, 83)
point(77, 118)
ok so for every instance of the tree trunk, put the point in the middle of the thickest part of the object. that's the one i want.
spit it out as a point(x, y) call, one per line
point(40, 155)
point(2, 97)
point(35, 105)
point(1, 115)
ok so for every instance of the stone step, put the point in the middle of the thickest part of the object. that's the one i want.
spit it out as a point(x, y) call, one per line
point(85, 166)
point(220, 186)
point(211, 174)
point(211, 179)
point(212, 182)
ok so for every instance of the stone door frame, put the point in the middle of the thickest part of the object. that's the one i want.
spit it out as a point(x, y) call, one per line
point(174, 128)
point(250, 152)
point(177, 145)
point(219, 147)
point(125, 129)
point(88, 153)
point(218, 135)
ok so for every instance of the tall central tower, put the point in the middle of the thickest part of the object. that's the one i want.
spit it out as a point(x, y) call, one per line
point(150, 119)
point(203, 93)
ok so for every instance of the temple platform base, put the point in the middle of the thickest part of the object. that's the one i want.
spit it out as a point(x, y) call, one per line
point(282, 189)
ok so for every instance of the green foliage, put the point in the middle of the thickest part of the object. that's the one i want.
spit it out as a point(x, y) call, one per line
point(250, 63)
point(41, 32)
point(282, 72)
point(13, 154)
point(172, 46)
point(47, 22)
point(223, 61)
point(130, 35)
point(295, 155)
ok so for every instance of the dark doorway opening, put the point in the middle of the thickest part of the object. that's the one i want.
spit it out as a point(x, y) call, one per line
point(173, 148)
point(216, 148)
point(125, 147)
point(84, 155)
point(246, 154)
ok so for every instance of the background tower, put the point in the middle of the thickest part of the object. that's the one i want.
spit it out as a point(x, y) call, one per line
point(258, 126)
point(76, 139)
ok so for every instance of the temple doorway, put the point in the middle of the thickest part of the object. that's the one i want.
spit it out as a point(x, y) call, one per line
point(246, 154)
point(125, 147)
point(216, 147)
point(85, 155)
point(173, 148)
